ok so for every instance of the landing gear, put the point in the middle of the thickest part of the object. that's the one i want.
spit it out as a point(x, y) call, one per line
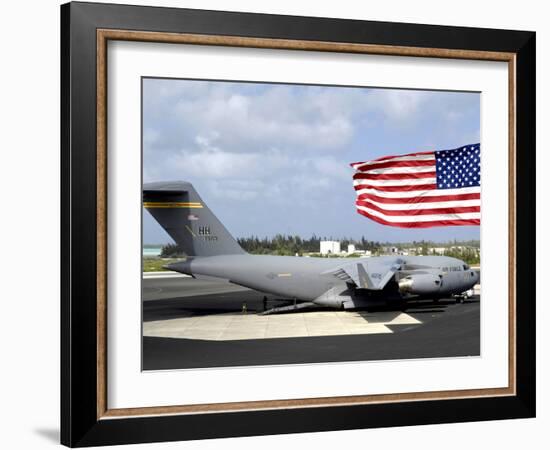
point(461, 298)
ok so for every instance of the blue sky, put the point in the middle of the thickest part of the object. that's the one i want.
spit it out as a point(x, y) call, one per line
point(274, 158)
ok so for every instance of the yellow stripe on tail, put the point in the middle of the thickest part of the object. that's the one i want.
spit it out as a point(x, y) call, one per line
point(172, 205)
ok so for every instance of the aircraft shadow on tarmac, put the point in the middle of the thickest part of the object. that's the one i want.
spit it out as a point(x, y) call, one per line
point(445, 329)
point(253, 303)
point(453, 332)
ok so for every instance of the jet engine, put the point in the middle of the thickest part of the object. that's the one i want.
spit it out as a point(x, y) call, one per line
point(420, 284)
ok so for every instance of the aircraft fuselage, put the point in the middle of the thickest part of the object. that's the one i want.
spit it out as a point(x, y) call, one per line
point(306, 279)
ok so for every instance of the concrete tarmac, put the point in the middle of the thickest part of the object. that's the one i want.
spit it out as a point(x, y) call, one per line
point(172, 305)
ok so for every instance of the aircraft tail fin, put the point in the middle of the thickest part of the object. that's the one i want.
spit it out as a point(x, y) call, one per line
point(177, 207)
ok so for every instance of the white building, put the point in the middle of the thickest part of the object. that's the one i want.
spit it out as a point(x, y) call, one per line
point(330, 247)
point(351, 249)
point(390, 250)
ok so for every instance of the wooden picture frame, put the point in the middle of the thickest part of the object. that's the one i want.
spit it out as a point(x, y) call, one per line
point(86, 418)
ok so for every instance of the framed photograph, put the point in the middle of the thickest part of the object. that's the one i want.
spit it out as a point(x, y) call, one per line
point(276, 224)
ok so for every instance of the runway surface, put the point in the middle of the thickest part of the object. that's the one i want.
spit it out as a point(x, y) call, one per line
point(192, 323)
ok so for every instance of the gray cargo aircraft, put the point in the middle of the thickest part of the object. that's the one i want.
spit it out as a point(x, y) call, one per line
point(333, 282)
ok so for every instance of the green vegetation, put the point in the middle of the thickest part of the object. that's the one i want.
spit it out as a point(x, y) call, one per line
point(281, 244)
point(467, 251)
point(155, 264)
point(292, 245)
point(330, 255)
point(468, 255)
point(171, 251)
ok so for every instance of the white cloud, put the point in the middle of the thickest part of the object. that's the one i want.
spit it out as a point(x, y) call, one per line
point(241, 190)
point(401, 105)
point(332, 167)
point(283, 151)
point(275, 118)
point(214, 163)
point(229, 137)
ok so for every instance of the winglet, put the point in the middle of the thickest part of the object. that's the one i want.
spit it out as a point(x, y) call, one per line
point(365, 281)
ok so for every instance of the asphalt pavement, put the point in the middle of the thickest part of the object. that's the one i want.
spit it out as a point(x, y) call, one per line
point(423, 330)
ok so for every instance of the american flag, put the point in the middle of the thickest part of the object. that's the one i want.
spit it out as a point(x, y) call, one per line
point(420, 190)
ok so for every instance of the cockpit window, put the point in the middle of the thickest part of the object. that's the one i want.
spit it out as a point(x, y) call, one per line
point(465, 266)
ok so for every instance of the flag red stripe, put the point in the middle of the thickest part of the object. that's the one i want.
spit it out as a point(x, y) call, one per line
point(419, 212)
point(384, 165)
point(393, 176)
point(382, 158)
point(431, 152)
point(414, 187)
point(427, 199)
point(417, 224)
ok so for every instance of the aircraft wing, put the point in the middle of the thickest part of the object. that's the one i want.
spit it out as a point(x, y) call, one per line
point(371, 274)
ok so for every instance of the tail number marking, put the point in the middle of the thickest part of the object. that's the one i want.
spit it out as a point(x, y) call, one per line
point(204, 231)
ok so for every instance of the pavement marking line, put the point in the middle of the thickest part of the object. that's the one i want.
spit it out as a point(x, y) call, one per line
point(238, 326)
point(164, 274)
